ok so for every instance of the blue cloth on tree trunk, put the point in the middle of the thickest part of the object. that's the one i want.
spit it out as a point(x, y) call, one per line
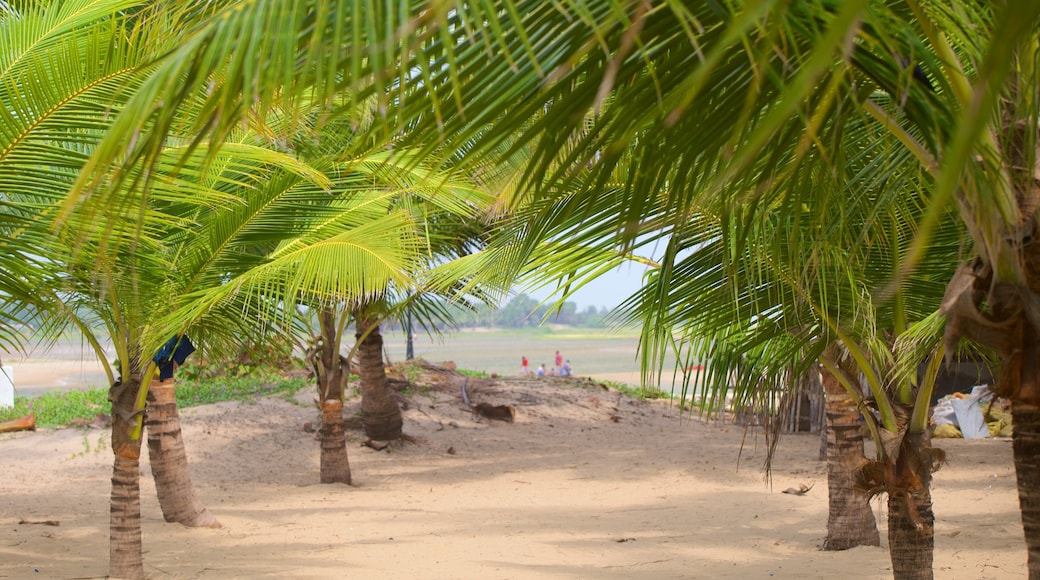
point(176, 350)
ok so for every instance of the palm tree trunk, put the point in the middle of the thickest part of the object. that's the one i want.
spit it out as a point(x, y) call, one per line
point(169, 460)
point(850, 521)
point(1021, 376)
point(1026, 445)
point(911, 532)
point(1020, 382)
point(125, 559)
point(331, 375)
point(335, 467)
point(380, 413)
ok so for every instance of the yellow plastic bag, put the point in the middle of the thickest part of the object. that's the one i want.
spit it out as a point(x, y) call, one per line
point(947, 432)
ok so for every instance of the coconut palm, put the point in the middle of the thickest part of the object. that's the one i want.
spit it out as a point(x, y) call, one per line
point(771, 102)
point(68, 67)
point(119, 279)
point(130, 291)
point(370, 188)
point(783, 289)
point(333, 235)
point(741, 188)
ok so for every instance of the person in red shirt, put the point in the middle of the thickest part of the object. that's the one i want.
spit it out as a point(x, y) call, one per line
point(524, 370)
point(559, 362)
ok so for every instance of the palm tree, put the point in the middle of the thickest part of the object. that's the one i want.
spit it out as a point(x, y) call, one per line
point(130, 290)
point(850, 521)
point(380, 411)
point(636, 102)
point(755, 303)
point(330, 372)
point(344, 239)
point(53, 118)
point(425, 211)
point(127, 274)
point(708, 184)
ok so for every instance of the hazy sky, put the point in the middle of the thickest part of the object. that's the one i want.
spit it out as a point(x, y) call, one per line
point(608, 290)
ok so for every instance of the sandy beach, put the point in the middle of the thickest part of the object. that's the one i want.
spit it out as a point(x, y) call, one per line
point(586, 483)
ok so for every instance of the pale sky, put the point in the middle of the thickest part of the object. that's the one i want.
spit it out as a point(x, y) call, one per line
point(608, 290)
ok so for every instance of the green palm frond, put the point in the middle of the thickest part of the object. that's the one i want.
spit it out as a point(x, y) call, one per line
point(67, 68)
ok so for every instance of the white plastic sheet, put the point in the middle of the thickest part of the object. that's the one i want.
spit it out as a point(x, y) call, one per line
point(965, 413)
point(970, 419)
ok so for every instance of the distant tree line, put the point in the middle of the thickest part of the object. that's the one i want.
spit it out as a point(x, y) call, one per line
point(524, 311)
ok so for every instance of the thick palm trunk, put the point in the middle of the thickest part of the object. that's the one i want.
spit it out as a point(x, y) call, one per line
point(1023, 386)
point(380, 413)
point(1008, 329)
point(911, 532)
point(1006, 278)
point(850, 521)
point(1026, 444)
point(331, 374)
point(125, 559)
point(1020, 381)
point(169, 460)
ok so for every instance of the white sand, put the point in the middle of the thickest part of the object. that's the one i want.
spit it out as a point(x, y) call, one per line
point(564, 492)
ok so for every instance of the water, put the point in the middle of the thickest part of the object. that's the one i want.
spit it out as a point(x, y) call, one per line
point(596, 354)
point(591, 353)
point(65, 367)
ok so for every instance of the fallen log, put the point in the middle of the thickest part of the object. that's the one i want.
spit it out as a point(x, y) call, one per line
point(498, 412)
point(505, 413)
point(26, 423)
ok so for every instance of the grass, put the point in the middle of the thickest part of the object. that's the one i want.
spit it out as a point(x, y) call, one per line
point(474, 374)
point(637, 392)
point(651, 394)
point(60, 409)
point(57, 409)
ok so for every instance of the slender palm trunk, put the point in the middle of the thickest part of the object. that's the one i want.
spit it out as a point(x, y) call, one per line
point(335, 466)
point(331, 375)
point(169, 460)
point(380, 413)
point(125, 559)
point(911, 532)
point(850, 521)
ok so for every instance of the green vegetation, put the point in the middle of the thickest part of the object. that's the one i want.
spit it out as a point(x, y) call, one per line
point(474, 374)
point(637, 392)
point(57, 409)
point(523, 311)
point(61, 409)
point(194, 393)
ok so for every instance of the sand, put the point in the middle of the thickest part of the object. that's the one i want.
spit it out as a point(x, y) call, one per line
point(564, 492)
